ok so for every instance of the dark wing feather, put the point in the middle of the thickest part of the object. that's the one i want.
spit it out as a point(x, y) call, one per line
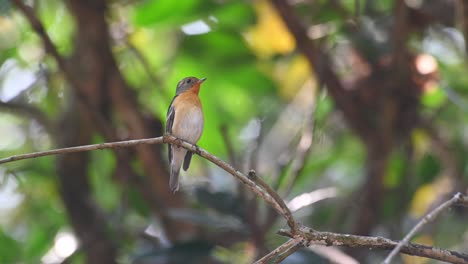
point(169, 123)
point(187, 159)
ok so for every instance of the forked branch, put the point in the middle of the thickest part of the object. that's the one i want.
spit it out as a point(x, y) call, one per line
point(300, 235)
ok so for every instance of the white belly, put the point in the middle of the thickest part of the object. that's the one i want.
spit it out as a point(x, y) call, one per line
point(190, 126)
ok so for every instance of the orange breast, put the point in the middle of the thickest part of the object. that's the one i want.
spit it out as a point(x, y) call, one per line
point(187, 99)
point(188, 118)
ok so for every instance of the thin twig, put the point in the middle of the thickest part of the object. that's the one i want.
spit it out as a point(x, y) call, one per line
point(286, 212)
point(118, 144)
point(39, 28)
point(354, 241)
point(289, 251)
point(319, 60)
point(251, 162)
point(254, 186)
point(156, 80)
point(52, 50)
point(458, 197)
point(282, 249)
point(31, 111)
point(258, 186)
point(95, 110)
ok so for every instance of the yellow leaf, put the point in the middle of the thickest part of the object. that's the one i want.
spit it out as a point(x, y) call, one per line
point(425, 196)
point(269, 36)
point(292, 75)
point(421, 143)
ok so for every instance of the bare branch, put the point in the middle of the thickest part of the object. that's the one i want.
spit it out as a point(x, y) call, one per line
point(354, 241)
point(289, 251)
point(260, 188)
point(119, 144)
point(39, 28)
point(52, 50)
point(457, 198)
point(285, 248)
point(255, 184)
point(319, 62)
point(286, 212)
point(156, 80)
point(30, 110)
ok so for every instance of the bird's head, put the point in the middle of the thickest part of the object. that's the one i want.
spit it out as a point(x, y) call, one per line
point(188, 83)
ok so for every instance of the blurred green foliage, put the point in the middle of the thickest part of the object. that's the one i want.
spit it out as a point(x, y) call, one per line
point(156, 43)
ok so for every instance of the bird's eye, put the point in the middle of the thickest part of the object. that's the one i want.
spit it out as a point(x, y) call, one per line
point(189, 80)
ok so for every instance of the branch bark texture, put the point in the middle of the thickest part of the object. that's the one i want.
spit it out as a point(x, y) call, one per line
point(296, 231)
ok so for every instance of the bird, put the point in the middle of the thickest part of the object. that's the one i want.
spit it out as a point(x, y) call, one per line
point(185, 121)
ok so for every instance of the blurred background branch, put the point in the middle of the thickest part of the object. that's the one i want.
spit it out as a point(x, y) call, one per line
point(298, 234)
point(352, 111)
point(457, 198)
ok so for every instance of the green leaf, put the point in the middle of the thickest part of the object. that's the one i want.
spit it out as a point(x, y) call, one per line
point(137, 202)
point(234, 15)
point(433, 98)
point(10, 249)
point(38, 242)
point(429, 168)
point(390, 207)
point(324, 107)
point(101, 172)
point(218, 46)
point(164, 11)
point(58, 23)
point(395, 171)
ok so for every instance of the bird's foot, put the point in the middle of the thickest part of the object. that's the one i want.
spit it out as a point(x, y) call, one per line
point(179, 141)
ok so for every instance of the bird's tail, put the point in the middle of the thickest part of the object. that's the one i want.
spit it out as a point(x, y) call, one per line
point(178, 155)
point(174, 180)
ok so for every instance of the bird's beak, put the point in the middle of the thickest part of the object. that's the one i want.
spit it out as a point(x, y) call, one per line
point(201, 80)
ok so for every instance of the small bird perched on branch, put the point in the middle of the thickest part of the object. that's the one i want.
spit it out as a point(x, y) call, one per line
point(185, 121)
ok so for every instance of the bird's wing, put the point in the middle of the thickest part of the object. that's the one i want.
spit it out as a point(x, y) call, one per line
point(187, 159)
point(169, 123)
